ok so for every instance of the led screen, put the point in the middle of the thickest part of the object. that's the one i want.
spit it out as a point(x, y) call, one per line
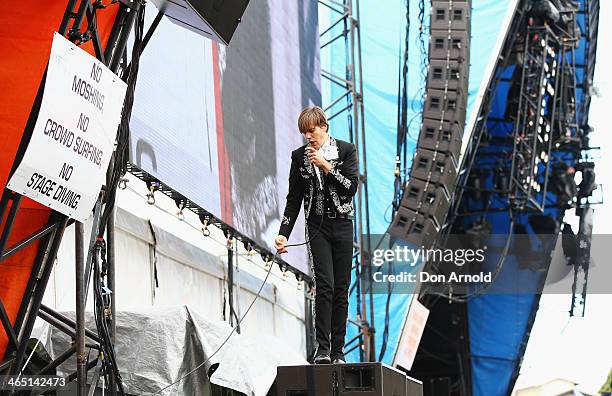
point(218, 124)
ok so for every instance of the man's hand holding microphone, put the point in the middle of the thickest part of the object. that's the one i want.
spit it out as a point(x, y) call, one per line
point(317, 159)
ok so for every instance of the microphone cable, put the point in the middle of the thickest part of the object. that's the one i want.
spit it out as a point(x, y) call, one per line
point(231, 333)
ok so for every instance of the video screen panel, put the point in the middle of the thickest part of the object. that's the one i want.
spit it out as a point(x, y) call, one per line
point(218, 124)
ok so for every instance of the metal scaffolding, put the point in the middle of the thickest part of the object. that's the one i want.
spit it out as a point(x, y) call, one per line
point(344, 25)
point(98, 260)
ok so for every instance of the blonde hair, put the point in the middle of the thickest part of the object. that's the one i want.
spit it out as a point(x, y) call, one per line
point(310, 117)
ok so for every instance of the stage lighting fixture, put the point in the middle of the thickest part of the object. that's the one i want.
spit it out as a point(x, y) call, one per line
point(476, 181)
point(478, 233)
point(587, 185)
point(569, 243)
point(267, 258)
point(501, 180)
point(180, 204)
point(544, 10)
point(284, 271)
point(205, 220)
point(152, 186)
point(563, 184)
point(248, 246)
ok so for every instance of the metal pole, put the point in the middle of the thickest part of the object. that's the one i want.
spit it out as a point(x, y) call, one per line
point(355, 115)
point(361, 113)
point(35, 300)
point(79, 256)
point(357, 127)
point(110, 259)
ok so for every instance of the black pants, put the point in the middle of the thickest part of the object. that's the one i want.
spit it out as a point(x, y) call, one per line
point(332, 252)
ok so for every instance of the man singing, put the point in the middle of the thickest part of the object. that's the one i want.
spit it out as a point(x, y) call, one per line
point(324, 175)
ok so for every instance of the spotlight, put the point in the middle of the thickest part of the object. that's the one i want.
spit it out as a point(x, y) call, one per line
point(205, 220)
point(248, 246)
point(152, 186)
point(587, 185)
point(501, 179)
point(284, 271)
point(569, 243)
point(300, 281)
point(180, 204)
point(478, 233)
point(562, 183)
point(267, 258)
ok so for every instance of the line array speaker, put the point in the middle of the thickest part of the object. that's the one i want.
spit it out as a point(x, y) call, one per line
point(433, 175)
point(215, 19)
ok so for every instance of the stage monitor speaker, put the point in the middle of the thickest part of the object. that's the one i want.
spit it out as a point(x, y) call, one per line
point(215, 19)
point(449, 106)
point(427, 198)
point(444, 14)
point(441, 136)
point(413, 387)
point(435, 167)
point(454, 77)
point(414, 227)
point(350, 379)
point(438, 386)
point(439, 44)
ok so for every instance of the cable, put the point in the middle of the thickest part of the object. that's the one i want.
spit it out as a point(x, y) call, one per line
point(497, 271)
point(239, 322)
point(118, 167)
point(226, 338)
point(101, 302)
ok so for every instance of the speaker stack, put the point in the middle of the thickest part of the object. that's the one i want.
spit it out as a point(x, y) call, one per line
point(214, 19)
point(433, 175)
point(350, 379)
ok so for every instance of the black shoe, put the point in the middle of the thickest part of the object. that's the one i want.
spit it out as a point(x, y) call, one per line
point(321, 359)
point(338, 357)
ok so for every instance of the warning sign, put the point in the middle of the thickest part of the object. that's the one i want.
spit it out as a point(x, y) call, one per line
point(65, 163)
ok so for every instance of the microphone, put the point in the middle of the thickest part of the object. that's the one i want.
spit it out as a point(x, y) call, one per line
point(317, 172)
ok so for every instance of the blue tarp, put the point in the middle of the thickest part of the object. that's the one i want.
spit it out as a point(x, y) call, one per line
point(498, 324)
point(382, 35)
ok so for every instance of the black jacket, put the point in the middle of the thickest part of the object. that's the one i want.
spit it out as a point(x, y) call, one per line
point(339, 185)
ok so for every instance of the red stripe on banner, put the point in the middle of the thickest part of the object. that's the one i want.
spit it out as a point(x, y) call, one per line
point(225, 186)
